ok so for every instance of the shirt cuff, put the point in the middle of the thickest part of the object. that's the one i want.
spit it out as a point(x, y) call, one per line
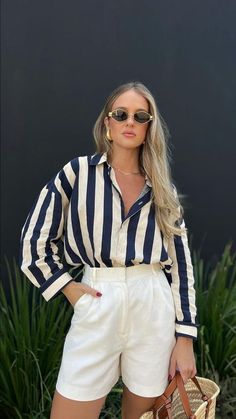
point(55, 283)
point(187, 330)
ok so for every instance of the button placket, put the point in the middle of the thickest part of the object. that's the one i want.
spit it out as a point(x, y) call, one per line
point(137, 205)
point(121, 243)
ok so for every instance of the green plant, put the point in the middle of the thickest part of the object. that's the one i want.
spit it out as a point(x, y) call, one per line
point(112, 408)
point(226, 402)
point(216, 344)
point(32, 333)
point(31, 340)
point(216, 297)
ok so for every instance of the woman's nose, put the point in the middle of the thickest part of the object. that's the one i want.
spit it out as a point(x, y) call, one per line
point(130, 119)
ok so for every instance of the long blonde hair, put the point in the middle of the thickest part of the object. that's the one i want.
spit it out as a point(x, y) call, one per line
point(154, 159)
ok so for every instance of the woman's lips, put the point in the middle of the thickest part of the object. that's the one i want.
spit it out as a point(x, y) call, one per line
point(129, 135)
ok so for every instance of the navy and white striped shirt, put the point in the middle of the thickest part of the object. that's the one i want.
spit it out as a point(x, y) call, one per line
point(82, 206)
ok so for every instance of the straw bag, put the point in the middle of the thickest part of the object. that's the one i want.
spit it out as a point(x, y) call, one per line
point(194, 400)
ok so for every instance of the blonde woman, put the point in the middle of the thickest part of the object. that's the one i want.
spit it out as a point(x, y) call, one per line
point(119, 215)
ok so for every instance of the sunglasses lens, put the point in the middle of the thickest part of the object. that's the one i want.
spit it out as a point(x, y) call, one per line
point(119, 115)
point(141, 117)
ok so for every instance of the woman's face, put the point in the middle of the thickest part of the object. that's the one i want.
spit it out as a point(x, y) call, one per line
point(131, 102)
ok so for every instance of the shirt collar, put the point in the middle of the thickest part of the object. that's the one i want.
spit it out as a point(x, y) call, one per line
point(99, 158)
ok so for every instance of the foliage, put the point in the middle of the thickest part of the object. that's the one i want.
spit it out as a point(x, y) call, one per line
point(31, 340)
point(32, 335)
point(216, 344)
point(216, 303)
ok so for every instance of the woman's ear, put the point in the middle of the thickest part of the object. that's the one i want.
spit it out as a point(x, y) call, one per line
point(106, 122)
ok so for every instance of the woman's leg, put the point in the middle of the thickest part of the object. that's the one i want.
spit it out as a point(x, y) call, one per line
point(71, 409)
point(134, 406)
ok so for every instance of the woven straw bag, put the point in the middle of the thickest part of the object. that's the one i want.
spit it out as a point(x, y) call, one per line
point(194, 400)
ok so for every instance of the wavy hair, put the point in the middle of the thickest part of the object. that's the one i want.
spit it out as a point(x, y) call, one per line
point(154, 159)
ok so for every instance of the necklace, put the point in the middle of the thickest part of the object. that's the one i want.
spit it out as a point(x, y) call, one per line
point(126, 173)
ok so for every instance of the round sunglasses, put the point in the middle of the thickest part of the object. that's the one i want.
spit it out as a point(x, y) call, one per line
point(120, 115)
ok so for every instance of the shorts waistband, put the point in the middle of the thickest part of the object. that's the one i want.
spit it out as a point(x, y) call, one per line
point(120, 273)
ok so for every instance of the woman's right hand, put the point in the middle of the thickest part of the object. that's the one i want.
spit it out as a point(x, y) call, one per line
point(74, 290)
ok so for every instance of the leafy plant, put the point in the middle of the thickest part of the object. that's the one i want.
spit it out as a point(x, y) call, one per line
point(226, 402)
point(216, 302)
point(32, 334)
point(31, 341)
point(216, 344)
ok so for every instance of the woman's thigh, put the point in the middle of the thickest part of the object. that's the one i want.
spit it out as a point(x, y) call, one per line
point(133, 406)
point(63, 407)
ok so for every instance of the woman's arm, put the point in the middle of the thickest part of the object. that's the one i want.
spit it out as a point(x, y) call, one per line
point(182, 284)
point(43, 228)
point(184, 295)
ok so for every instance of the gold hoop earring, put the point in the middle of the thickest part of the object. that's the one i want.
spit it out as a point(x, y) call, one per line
point(108, 135)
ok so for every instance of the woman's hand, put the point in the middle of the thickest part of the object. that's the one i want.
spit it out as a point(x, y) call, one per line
point(74, 290)
point(182, 359)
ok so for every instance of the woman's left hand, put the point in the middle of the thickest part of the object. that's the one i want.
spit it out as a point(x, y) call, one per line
point(182, 359)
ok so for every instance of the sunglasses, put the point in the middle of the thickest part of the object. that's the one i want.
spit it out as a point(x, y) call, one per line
point(120, 115)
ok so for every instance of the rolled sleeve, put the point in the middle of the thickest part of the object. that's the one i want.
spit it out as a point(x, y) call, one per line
point(43, 229)
point(182, 284)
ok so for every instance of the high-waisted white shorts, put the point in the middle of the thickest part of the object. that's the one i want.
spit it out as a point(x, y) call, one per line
point(129, 331)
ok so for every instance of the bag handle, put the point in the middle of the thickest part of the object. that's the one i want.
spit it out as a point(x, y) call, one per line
point(204, 396)
point(164, 401)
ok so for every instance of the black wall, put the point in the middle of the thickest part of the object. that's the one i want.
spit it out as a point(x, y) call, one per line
point(61, 59)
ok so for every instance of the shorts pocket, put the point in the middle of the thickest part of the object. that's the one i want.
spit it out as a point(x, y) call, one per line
point(164, 294)
point(86, 307)
point(160, 274)
point(80, 300)
point(85, 297)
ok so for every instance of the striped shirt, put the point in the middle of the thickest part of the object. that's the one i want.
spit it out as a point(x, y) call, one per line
point(82, 206)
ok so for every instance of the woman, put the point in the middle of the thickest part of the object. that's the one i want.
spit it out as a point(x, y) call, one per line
point(119, 215)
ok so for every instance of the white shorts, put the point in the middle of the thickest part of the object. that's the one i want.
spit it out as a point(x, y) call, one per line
point(129, 331)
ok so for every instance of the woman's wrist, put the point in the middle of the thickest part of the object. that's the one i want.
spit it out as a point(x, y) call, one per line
point(185, 340)
point(69, 288)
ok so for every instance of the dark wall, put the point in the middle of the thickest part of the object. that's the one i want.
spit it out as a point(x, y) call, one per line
point(61, 59)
